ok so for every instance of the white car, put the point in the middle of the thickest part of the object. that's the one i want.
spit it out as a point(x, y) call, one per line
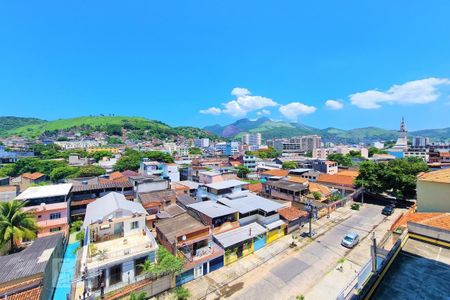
point(350, 240)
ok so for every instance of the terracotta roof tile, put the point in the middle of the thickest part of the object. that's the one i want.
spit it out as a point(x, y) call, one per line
point(292, 213)
point(296, 179)
point(32, 176)
point(352, 173)
point(31, 294)
point(255, 187)
point(336, 179)
point(440, 176)
point(277, 172)
point(317, 187)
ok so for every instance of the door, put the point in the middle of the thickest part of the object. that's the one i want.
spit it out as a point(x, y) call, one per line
point(198, 271)
point(118, 228)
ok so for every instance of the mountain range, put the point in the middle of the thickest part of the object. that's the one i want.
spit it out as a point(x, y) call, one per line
point(140, 128)
point(278, 129)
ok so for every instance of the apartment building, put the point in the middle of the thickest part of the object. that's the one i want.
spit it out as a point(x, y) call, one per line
point(50, 218)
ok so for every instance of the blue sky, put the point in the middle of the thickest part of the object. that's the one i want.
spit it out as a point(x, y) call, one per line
point(172, 60)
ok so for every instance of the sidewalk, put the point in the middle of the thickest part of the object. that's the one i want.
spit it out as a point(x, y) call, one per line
point(217, 282)
point(336, 281)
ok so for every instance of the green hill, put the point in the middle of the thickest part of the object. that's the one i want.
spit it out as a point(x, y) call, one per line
point(9, 122)
point(138, 127)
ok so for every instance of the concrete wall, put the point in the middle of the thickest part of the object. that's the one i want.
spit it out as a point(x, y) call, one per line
point(431, 232)
point(433, 197)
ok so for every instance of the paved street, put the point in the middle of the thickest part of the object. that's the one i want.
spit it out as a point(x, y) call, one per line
point(305, 271)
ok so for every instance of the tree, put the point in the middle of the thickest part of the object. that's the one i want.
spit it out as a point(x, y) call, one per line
point(289, 165)
point(15, 223)
point(114, 140)
point(182, 293)
point(60, 173)
point(98, 155)
point(129, 161)
point(166, 264)
point(374, 150)
point(397, 177)
point(195, 151)
point(113, 129)
point(88, 171)
point(340, 159)
point(138, 296)
point(242, 171)
point(158, 156)
point(317, 195)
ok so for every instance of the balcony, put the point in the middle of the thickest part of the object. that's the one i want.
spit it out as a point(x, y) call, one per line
point(118, 248)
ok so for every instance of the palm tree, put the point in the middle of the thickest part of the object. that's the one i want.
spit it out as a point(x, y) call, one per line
point(147, 268)
point(15, 223)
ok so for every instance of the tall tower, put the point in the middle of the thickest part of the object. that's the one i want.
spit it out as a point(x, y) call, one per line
point(402, 141)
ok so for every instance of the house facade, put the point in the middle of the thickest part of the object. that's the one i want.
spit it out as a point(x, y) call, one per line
point(117, 242)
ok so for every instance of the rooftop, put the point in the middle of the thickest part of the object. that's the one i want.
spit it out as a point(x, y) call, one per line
point(336, 179)
point(245, 202)
point(209, 173)
point(102, 185)
point(29, 262)
point(292, 213)
point(185, 199)
point(158, 197)
point(104, 207)
point(179, 225)
point(45, 191)
point(240, 234)
point(33, 176)
point(276, 172)
point(46, 207)
point(192, 185)
point(212, 209)
point(287, 185)
point(226, 184)
point(8, 188)
point(440, 176)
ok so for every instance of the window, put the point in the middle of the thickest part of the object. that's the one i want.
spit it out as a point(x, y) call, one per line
point(55, 229)
point(55, 216)
point(134, 224)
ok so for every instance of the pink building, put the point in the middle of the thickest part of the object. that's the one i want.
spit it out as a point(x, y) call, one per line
point(51, 218)
point(207, 177)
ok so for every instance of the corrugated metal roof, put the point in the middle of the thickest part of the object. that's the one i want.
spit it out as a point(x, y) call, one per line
point(212, 209)
point(45, 191)
point(239, 235)
point(29, 262)
point(275, 224)
point(226, 184)
point(247, 202)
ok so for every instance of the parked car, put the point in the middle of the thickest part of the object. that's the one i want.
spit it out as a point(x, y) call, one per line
point(350, 240)
point(388, 210)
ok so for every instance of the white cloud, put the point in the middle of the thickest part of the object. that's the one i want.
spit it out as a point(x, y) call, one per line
point(334, 104)
point(211, 111)
point(263, 112)
point(242, 105)
point(413, 92)
point(237, 91)
point(295, 109)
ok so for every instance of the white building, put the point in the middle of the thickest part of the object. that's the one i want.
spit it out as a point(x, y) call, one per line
point(378, 145)
point(67, 145)
point(402, 141)
point(420, 142)
point(252, 139)
point(201, 143)
point(116, 242)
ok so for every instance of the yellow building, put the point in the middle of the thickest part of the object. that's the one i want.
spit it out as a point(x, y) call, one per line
point(113, 150)
point(433, 191)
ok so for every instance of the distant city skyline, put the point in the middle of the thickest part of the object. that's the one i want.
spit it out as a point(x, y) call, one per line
point(321, 64)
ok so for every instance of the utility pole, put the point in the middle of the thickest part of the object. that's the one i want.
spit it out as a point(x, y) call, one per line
point(362, 191)
point(374, 252)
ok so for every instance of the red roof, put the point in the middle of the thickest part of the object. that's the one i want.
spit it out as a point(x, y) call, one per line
point(276, 172)
point(292, 213)
point(255, 187)
point(32, 176)
point(341, 180)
